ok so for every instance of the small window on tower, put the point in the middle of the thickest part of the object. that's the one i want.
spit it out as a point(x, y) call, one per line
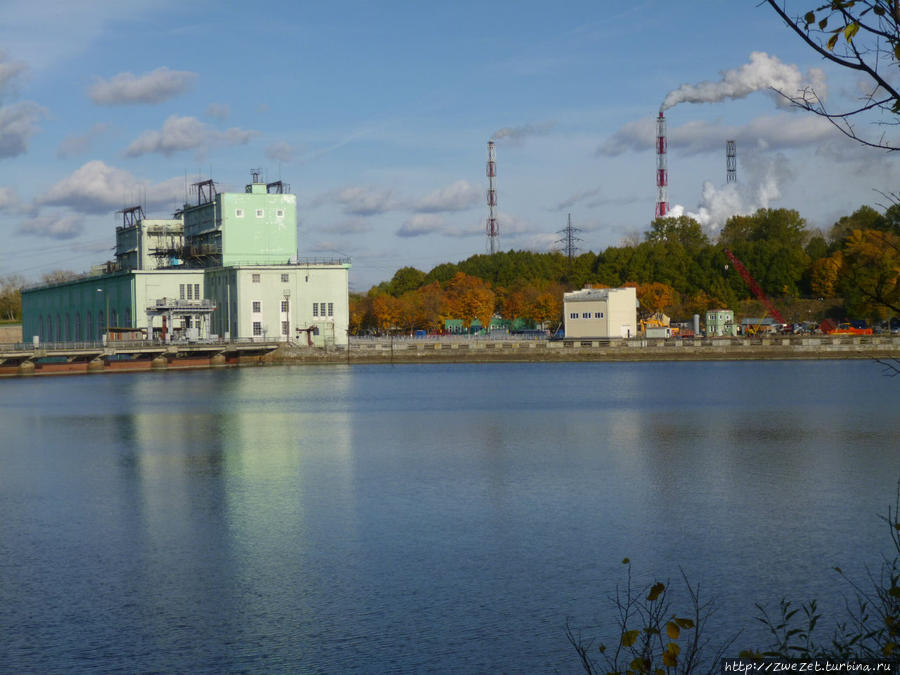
point(239, 213)
point(260, 213)
point(279, 213)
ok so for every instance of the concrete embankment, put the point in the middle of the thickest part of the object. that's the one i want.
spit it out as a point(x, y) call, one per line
point(483, 350)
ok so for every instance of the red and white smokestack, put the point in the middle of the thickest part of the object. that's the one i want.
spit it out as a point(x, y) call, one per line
point(662, 173)
point(492, 229)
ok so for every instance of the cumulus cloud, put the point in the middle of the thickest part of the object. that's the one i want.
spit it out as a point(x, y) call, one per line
point(72, 146)
point(9, 71)
point(154, 87)
point(18, 123)
point(60, 226)
point(280, 152)
point(185, 133)
point(218, 111)
point(95, 188)
point(520, 133)
point(459, 196)
point(421, 224)
point(776, 132)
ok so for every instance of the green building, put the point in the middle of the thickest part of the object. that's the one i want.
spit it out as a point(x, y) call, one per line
point(225, 266)
point(720, 322)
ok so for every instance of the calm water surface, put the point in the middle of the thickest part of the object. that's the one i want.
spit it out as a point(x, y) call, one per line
point(416, 518)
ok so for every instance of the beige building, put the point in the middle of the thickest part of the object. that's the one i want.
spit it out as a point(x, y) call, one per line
point(601, 313)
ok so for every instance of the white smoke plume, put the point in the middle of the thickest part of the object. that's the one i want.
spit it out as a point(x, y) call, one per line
point(762, 72)
point(517, 134)
point(718, 203)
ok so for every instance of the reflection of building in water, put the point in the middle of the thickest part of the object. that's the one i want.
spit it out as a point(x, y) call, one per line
point(225, 265)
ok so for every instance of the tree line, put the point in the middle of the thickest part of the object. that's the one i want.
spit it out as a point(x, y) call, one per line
point(675, 266)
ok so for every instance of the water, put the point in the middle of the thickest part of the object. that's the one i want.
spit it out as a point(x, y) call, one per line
point(416, 518)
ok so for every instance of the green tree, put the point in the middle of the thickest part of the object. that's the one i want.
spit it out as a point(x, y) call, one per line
point(404, 280)
point(11, 297)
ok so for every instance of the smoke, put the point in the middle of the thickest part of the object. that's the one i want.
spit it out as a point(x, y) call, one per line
point(517, 134)
point(762, 72)
point(718, 203)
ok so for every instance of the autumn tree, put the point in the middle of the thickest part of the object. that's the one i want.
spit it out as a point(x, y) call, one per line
point(870, 273)
point(470, 298)
point(387, 312)
point(655, 297)
point(862, 36)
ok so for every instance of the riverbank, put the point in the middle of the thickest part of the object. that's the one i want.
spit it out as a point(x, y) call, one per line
point(455, 350)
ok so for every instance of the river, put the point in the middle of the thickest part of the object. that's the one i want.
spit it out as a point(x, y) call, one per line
point(425, 517)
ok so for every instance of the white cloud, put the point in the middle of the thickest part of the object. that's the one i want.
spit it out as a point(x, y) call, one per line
point(72, 146)
point(280, 152)
point(9, 71)
point(153, 87)
point(18, 123)
point(421, 224)
point(348, 227)
point(61, 226)
point(218, 111)
point(459, 196)
point(570, 201)
point(185, 133)
point(95, 188)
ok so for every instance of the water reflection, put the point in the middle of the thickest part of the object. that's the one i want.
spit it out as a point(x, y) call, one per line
point(417, 517)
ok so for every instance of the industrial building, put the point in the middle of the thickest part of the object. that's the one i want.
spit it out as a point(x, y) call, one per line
point(720, 322)
point(601, 313)
point(224, 267)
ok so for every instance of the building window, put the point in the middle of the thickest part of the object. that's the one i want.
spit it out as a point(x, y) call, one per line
point(573, 315)
point(279, 213)
point(257, 328)
point(284, 327)
point(284, 278)
point(255, 278)
point(257, 306)
point(88, 326)
point(41, 327)
point(101, 324)
point(600, 315)
point(260, 213)
point(190, 292)
point(330, 309)
point(114, 316)
point(239, 213)
point(285, 305)
point(181, 291)
point(128, 317)
point(196, 291)
point(315, 309)
point(586, 315)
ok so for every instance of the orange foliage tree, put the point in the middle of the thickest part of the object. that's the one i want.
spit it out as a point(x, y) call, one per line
point(655, 296)
point(470, 298)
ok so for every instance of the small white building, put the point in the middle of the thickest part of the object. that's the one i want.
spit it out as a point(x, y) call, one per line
point(601, 313)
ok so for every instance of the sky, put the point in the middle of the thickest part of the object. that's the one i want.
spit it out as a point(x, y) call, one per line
point(378, 114)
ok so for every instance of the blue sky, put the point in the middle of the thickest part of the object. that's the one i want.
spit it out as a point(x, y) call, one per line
point(378, 116)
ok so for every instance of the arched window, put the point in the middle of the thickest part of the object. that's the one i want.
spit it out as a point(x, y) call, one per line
point(68, 328)
point(58, 329)
point(101, 324)
point(113, 318)
point(41, 328)
point(128, 317)
point(78, 328)
point(88, 328)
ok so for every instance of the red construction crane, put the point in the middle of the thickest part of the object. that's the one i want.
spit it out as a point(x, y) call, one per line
point(753, 286)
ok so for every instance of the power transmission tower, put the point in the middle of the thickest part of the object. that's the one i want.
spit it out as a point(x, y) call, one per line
point(568, 239)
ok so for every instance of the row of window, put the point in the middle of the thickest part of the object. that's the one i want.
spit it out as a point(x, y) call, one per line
point(189, 291)
point(319, 309)
point(285, 328)
point(257, 277)
point(585, 315)
point(260, 213)
point(65, 328)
